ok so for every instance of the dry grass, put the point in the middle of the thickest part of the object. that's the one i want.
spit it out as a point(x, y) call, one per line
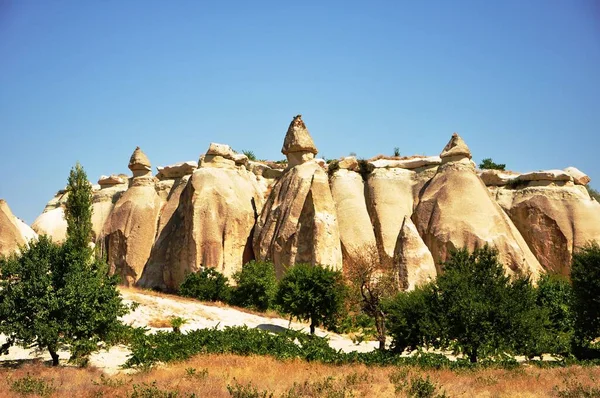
point(160, 322)
point(209, 375)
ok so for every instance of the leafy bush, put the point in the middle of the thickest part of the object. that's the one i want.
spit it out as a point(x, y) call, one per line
point(238, 390)
point(593, 193)
point(250, 155)
point(314, 293)
point(256, 285)
point(332, 167)
point(489, 164)
point(151, 391)
point(396, 151)
point(207, 284)
point(30, 385)
point(364, 168)
point(585, 277)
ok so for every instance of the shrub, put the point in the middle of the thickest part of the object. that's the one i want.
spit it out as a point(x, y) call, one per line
point(364, 168)
point(207, 284)
point(250, 155)
point(593, 193)
point(333, 166)
point(489, 164)
point(256, 285)
point(238, 390)
point(314, 293)
point(585, 277)
point(30, 385)
point(396, 151)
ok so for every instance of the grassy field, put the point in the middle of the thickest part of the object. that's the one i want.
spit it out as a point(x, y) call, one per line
point(237, 376)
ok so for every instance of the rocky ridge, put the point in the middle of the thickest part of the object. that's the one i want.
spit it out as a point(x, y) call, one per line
point(225, 210)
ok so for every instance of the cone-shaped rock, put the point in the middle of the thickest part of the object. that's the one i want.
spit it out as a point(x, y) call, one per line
point(10, 234)
point(455, 149)
point(298, 222)
point(298, 138)
point(412, 257)
point(139, 163)
point(555, 218)
point(211, 224)
point(130, 230)
point(456, 210)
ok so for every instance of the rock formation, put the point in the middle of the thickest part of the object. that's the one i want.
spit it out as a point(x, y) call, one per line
point(412, 258)
point(211, 225)
point(554, 216)
point(130, 230)
point(348, 191)
point(298, 222)
point(10, 232)
point(225, 210)
point(456, 210)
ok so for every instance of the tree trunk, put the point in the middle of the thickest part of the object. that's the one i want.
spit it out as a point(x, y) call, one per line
point(380, 326)
point(54, 356)
point(312, 327)
point(473, 356)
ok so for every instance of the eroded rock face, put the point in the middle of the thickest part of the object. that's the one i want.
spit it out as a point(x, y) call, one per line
point(211, 222)
point(130, 231)
point(356, 231)
point(412, 258)
point(456, 210)
point(10, 233)
point(176, 170)
point(298, 222)
point(554, 220)
point(52, 220)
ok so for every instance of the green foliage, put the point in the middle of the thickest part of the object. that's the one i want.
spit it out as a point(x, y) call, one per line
point(151, 391)
point(396, 151)
point(413, 319)
point(423, 388)
point(575, 389)
point(332, 167)
point(250, 155)
point(256, 285)
point(593, 193)
point(489, 164)
point(314, 293)
point(554, 296)
point(76, 305)
point(585, 277)
point(30, 385)
point(473, 307)
point(177, 322)
point(207, 284)
point(238, 390)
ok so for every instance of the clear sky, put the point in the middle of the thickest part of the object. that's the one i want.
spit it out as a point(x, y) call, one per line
point(89, 81)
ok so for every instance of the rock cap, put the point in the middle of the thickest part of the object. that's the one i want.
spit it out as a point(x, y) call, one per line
point(139, 162)
point(177, 170)
point(113, 179)
point(579, 177)
point(298, 139)
point(456, 147)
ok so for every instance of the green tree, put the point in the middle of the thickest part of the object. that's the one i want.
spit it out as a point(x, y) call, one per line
point(413, 319)
point(61, 296)
point(593, 193)
point(472, 307)
point(256, 285)
point(312, 293)
point(489, 164)
point(555, 296)
point(585, 277)
point(208, 284)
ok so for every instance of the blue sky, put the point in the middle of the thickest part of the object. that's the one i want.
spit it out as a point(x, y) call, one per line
point(89, 81)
